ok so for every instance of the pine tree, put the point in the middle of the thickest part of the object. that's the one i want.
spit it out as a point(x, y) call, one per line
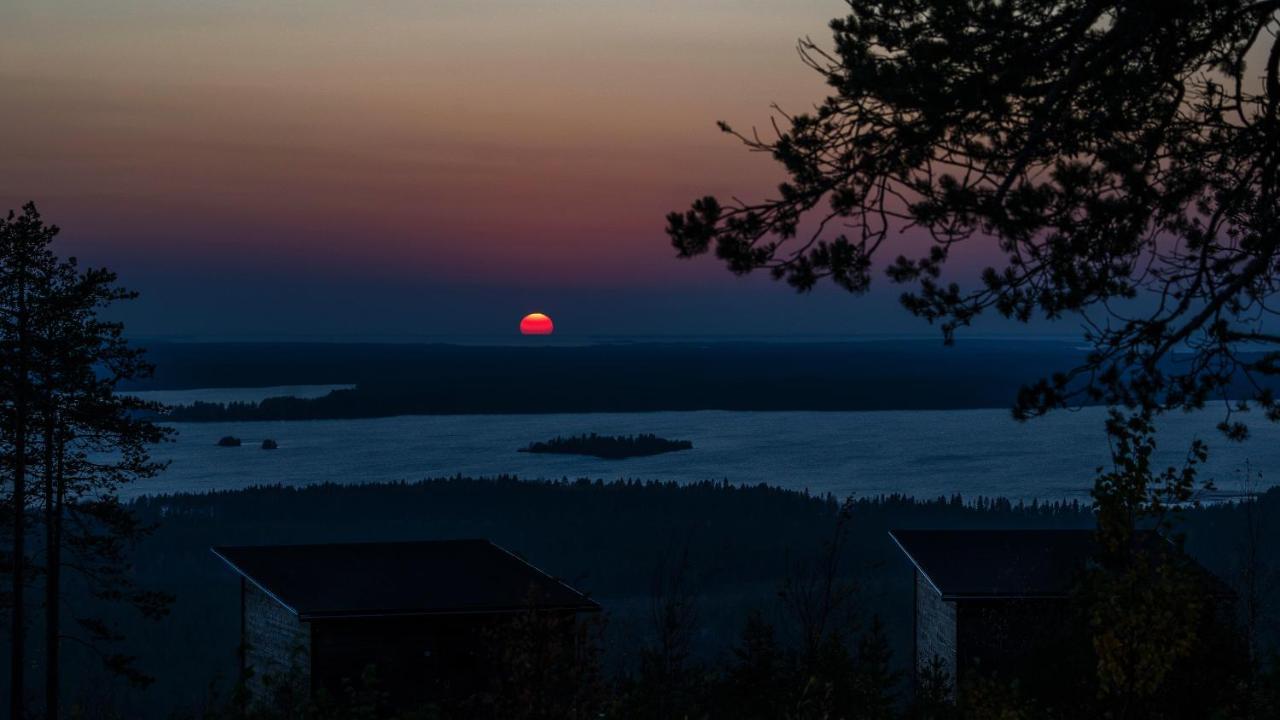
point(24, 260)
point(874, 681)
point(935, 692)
point(759, 680)
point(69, 429)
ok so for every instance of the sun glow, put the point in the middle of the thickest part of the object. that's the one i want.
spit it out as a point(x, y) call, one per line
point(536, 324)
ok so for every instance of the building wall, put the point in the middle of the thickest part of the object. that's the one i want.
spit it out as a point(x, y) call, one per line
point(935, 627)
point(1006, 637)
point(419, 659)
point(414, 659)
point(276, 643)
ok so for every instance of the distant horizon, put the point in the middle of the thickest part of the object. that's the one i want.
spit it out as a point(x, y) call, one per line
point(569, 339)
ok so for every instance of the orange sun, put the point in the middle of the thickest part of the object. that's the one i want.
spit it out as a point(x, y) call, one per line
point(536, 324)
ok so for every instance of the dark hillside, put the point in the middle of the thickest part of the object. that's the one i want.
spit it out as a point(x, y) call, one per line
point(607, 539)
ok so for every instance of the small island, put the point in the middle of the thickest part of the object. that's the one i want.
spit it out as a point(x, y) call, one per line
point(229, 441)
point(269, 444)
point(609, 447)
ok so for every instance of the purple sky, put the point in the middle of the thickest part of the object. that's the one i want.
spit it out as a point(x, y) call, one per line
point(392, 168)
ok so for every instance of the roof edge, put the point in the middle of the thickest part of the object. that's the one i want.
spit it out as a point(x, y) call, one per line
point(240, 571)
point(546, 574)
point(893, 534)
point(957, 597)
point(589, 606)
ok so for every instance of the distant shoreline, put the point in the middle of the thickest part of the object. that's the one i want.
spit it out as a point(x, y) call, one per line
point(392, 380)
point(397, 380)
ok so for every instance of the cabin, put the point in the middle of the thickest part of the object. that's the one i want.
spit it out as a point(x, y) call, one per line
point(418, 613)
point(998, 601)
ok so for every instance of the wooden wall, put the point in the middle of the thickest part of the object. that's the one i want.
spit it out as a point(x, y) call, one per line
point(935, 627)
point(276, 642)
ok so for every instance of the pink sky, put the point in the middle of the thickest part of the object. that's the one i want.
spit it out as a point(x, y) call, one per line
point(364, 152)
point(491, 139)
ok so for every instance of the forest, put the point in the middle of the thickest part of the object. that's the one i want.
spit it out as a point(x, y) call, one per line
point(411, 379)
point(727, 555)
point(414, 379)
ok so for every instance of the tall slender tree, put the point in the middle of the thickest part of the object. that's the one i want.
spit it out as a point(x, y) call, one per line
point(24, 259)
point(83, 441)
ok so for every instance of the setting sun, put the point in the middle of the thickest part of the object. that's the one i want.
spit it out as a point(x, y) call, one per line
point(536, 324)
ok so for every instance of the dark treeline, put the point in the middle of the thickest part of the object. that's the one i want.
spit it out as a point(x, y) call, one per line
point(609, 446)
point(734, 549)
point(421, 379)
point(444, 379)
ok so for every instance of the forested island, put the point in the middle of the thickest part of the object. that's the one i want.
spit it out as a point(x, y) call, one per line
point(609, 447)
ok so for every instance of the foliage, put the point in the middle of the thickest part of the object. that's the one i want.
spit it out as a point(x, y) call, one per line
point(285, 696)
point(546, 667)
point(758, 674)
point(1145, 599)
point(69, 443)
point(1153, 614)
point(1126, 167)
point(934, 692)
point(667, 682)
point(1119, 156)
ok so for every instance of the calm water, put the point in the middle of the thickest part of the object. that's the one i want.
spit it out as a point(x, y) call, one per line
point(924, 453)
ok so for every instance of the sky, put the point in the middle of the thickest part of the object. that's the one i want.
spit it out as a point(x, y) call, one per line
point(389, 168)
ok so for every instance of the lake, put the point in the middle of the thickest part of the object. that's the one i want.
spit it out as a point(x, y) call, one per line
point(922, 453)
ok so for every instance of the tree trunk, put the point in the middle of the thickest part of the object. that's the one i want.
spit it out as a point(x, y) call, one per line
point(18, 652)
point(53, 572)
point(18, 659)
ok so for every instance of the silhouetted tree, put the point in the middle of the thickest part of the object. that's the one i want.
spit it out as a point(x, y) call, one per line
point(1124, 161)
point(25, 261)
point(874, 681)
point(1254, 573)
point(758, 681)
point(1162, 646)
point(66, 427)
point(545, 666)
point(1263, 695)
point(934, 692)
point(841, 672)
point(1122, 157)
point(667, 683)
point(818, 596)
point(992, 699)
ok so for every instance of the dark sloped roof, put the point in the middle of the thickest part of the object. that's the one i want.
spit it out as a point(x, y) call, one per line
point(998, 563)
point(399, 578)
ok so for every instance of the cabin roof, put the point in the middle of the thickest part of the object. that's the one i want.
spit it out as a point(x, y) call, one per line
point(400, 578)
point(976, 564)
point(1010, 564)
